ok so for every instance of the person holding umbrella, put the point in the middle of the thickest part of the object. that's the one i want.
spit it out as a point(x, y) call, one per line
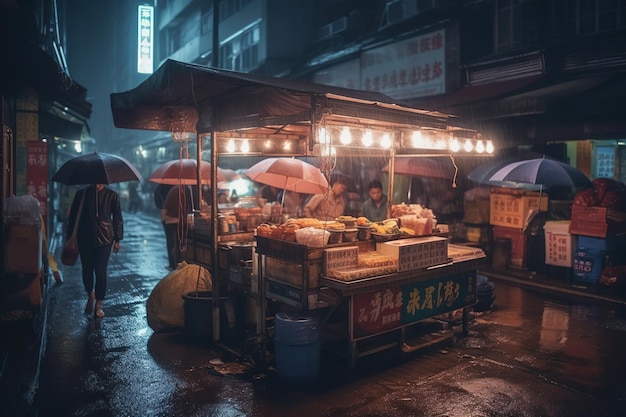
point(100, 229)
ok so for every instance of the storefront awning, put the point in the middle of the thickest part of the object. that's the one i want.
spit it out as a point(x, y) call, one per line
point(52, 124)
point(188, 97)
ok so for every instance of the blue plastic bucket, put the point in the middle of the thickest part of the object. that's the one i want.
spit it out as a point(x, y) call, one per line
point(297, 346)
point(588, 264)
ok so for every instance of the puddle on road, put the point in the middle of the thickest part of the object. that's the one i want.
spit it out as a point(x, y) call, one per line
point(575, 343)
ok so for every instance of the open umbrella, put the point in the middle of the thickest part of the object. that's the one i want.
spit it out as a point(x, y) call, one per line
point(483, 172)
point(542, 172)
point(423, 167)
point(289, 174)
point(96, 168)
point(184, 172)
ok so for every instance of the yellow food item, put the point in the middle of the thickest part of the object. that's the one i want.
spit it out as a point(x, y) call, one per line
point(362, 221)
point(407, 231)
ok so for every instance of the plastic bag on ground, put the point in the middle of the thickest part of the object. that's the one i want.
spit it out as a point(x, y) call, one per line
point(164, 307)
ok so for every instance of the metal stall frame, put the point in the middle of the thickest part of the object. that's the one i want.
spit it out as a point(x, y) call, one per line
point(228, 105)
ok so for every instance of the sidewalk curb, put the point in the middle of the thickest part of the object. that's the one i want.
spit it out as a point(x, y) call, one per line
point(526, 280)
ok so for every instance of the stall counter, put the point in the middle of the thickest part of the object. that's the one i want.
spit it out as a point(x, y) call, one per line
point(367, 308)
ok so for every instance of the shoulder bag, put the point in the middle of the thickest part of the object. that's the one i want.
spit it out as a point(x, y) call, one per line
point(70, 249)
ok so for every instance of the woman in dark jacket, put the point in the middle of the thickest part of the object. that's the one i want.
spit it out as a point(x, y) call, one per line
point(100, 228)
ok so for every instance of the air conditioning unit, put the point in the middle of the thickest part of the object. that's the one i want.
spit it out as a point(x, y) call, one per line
point(333, 28)
point(398, 10)
point(325, 31)
point(340, 25)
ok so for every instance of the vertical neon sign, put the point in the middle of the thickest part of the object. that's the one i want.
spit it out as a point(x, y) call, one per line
point(145, 39)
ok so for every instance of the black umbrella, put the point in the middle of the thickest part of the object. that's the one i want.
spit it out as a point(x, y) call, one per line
point(96, 168)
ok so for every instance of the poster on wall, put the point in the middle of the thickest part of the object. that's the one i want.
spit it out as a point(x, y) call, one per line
point(411, 68)
point(605, 162)
point(37, 173)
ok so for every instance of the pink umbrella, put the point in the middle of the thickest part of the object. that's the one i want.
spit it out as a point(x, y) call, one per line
point(289, 174)
point(184, 172)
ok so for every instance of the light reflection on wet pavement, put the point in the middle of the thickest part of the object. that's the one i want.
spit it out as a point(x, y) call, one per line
point(529, 356)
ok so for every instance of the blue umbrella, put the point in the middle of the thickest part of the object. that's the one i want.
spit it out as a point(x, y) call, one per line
point(542, 172)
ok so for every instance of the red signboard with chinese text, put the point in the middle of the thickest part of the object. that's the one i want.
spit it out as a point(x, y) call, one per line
point(396, 306)
point(37, 173)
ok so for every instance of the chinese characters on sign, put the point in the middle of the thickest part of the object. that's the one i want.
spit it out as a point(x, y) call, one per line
point(37, 173)
point(396, 306)
point(407, 69)
point(605, 162)
point(145, 39)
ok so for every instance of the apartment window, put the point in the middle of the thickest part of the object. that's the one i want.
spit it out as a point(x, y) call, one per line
point(589, 17)
point(241, 53)
point(230, 7)
point(517, 24)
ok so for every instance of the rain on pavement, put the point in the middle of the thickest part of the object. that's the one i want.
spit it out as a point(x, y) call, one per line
point(528, 356)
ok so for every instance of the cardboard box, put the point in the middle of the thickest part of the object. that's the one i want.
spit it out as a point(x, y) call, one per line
point(512, 208)
point(22, 250)
point(560, 244)
point(597, 221)
point(416, 253)
point(346, 257)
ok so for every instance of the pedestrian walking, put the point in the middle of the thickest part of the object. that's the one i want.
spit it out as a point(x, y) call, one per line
point(100, 229)
point(134, 200)
point(177, 205)
point(160, 193)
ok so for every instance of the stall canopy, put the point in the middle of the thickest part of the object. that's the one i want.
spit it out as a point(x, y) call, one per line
point(183, 97)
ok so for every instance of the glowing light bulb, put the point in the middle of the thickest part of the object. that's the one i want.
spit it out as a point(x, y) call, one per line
point(455, 146)
point(346, 137)
point(489, 147)
point(416, 139)
point(367, 139)
point(323, 136)
point(469, 146)
point(480, 146)
point(385, 141)
point(230, 146)
point(245, 146)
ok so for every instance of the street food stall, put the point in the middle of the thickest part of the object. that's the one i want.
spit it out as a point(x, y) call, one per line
point(236, 115)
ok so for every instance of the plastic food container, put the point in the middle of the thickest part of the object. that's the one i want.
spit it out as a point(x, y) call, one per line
point(312, 237)
point(364, 232)
point(349, 235)
point(335, 236)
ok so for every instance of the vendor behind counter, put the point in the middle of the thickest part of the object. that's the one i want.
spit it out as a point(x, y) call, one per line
point(328, 206)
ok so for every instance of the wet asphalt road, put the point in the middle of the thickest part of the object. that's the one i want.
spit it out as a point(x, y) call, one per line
point(529, 356)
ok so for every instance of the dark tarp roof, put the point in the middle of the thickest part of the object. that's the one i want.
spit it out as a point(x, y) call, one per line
point(174, 96)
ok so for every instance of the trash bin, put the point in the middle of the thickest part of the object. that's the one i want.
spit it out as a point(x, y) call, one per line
point(198, 310)
point(297, 346)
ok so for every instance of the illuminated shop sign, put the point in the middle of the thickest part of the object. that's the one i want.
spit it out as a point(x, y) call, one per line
point(411, 68)
point(145, 39)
